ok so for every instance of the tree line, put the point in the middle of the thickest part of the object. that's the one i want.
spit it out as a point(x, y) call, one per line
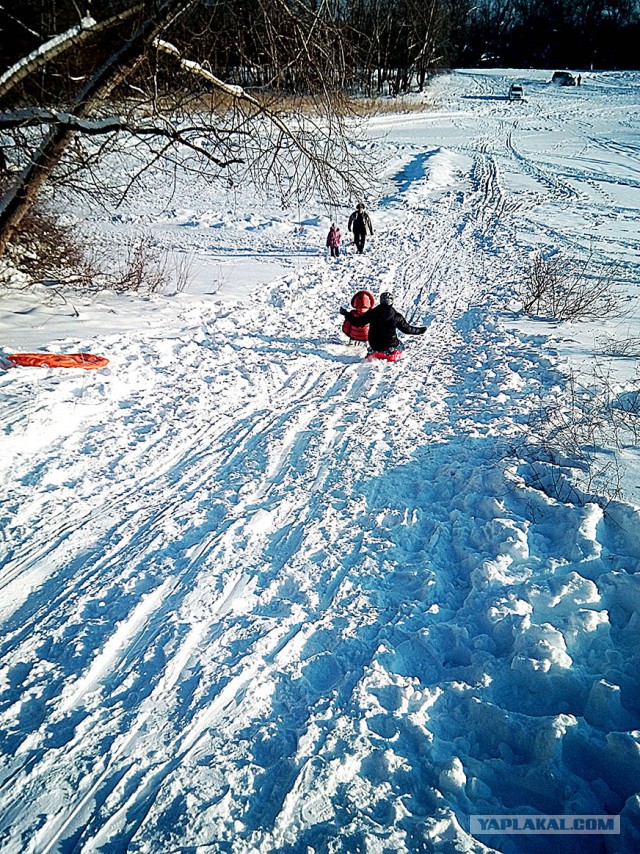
point(360, 46)
point(579, 34)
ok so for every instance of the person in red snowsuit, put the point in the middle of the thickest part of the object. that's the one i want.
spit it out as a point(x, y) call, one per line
point(361, 302)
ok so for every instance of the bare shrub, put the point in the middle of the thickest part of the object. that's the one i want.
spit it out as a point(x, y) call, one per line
point(49, 252)
point(144, 268)
point(54, 254)
point(564, 288)
point(623, 348)
point(219, 280)
point(182, 269)
point(573, 442)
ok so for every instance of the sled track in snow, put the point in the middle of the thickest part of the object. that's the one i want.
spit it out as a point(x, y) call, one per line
point(489, 203)
point(270, 473)
point(559, 188)
point(146, 534)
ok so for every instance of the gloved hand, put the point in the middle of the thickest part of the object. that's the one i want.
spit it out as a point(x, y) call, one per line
point(344, 312)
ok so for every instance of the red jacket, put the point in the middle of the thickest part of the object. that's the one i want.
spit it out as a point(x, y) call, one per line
point(334, 238)
point(361, 302)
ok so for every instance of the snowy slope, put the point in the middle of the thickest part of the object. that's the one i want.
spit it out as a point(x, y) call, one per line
point(259, 595)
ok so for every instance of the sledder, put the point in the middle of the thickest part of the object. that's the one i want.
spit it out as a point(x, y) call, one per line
point(361, 302)
point(383, 322)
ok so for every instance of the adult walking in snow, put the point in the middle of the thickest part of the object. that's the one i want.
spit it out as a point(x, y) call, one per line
point(360, 223)
point(334, 239)
point(384, 322)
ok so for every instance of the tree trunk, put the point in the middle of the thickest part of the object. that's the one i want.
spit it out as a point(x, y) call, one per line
point(57, 46)
point(18, 201)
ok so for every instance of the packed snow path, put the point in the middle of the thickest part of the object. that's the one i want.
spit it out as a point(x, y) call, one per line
point(258, 595)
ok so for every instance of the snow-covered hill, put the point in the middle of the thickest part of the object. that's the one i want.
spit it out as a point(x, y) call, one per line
point(258, 595)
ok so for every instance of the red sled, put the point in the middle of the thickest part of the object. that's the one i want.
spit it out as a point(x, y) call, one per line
point(86, 361)
point(395, 356)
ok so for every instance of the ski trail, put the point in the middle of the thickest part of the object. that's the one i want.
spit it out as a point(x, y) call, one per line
point(270, 473)
point(245, 447)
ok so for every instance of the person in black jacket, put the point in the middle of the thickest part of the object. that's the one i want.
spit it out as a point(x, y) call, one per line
point(359, 223)
point(383, 322)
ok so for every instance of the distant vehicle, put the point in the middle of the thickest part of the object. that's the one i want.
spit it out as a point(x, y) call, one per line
point(563, 78)
point(516, 92)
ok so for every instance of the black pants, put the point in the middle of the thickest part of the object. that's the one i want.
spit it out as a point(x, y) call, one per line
point(335, 251)
point(359, 238)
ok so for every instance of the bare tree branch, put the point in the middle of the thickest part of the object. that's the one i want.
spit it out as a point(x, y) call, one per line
point(116, 81)
point(18, 201)
point(58, 45)
point(308, 151)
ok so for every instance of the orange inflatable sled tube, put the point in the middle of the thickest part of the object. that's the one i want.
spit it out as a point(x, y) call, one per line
point(87, 361)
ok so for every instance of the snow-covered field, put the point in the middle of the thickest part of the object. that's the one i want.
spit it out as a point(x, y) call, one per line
point(258, 595)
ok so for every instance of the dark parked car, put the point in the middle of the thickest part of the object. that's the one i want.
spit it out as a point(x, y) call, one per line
point(563, 78)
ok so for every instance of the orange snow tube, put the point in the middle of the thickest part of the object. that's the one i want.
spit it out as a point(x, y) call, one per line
point(87, 361)
point(361, 302)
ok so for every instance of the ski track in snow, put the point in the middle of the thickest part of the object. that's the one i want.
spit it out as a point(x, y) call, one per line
point(258, 595)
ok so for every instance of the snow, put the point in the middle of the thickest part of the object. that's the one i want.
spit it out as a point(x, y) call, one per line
point(259, 595)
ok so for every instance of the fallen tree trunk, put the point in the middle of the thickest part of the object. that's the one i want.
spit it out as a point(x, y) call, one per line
point(19, 200)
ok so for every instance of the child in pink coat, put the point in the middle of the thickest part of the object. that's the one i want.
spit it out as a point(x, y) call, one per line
point(334, 239)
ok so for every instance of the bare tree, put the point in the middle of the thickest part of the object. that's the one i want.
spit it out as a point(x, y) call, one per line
point(396, 44)
point(568, 289)
point(157, 85)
